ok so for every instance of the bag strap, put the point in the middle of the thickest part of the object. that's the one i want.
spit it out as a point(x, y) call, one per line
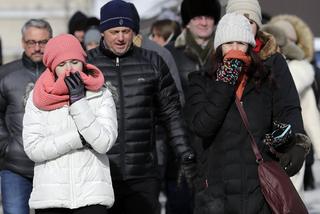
point(246, 124)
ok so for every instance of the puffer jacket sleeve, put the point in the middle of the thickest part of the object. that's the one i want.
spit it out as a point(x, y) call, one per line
point(99, 129)
point(4, 133)
point(170, 114)
point(38, 144)
point(208, 103)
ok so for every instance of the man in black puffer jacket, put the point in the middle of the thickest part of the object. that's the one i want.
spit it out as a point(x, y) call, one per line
point(146, 95)
point(16, 80)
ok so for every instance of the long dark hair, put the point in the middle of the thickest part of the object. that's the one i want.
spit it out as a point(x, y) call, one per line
point(256, 70)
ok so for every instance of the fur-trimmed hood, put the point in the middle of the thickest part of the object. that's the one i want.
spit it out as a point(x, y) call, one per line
point(303, 31)
point(287, 47)
point(270, 46)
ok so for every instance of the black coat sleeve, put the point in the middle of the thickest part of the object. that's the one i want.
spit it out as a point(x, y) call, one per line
point(286, 104)
point(208, 102)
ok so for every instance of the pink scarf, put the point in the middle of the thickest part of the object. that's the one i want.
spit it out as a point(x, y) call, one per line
point(50, 94)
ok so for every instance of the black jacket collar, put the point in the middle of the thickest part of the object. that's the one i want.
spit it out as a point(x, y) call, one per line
point(33, 66)
point(106, 51)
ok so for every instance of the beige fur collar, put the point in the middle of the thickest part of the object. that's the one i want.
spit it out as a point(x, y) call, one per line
point(270, 46)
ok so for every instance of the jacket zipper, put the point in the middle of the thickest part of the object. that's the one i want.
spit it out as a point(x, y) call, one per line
point(117, 62)
point(121, 113)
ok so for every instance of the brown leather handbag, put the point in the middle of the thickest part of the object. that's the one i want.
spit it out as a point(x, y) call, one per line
point(276, 186)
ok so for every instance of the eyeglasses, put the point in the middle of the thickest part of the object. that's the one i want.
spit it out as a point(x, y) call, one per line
point(33, 43)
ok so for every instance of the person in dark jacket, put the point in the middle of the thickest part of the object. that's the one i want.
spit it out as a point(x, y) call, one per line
point(231, 183)
point(16, 80)
point(77, 25)
point(147, 95)
point(192, 51)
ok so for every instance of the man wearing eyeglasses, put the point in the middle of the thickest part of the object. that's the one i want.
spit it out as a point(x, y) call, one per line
point(16, 80)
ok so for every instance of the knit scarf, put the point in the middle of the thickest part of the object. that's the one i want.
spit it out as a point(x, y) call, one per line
point(51, 93)
point(202, 53)
point(242, 81)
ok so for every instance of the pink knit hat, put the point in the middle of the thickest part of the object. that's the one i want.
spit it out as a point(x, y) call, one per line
point(61, 48)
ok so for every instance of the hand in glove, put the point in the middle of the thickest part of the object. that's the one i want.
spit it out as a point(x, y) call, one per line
point(229, 71)
point(233, 64)
point(75, 86)
point(292, 160)
point(188, 169)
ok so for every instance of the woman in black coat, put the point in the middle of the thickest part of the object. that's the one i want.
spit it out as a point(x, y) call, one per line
point(229, 177)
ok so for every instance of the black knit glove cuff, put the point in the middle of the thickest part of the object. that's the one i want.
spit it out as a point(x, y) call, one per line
point(85, 144)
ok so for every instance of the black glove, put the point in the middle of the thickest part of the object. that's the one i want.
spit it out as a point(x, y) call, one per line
point(75, 86)
point(292, 160)
point(188, 169)
point(85, 144)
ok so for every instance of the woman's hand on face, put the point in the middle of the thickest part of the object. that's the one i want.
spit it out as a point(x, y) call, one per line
point(75, 86)
point(229, 71)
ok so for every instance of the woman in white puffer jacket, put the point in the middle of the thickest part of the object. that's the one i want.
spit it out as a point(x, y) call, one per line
point(69, 125)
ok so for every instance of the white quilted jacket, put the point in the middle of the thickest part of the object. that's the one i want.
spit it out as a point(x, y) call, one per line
point(66, 174)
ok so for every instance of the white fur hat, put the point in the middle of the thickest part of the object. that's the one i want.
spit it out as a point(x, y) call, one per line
point(233, 27)
point(250, 8)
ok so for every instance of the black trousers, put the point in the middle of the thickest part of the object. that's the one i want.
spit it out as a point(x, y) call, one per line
point(179, 198)
point(93, 209)
point(136, 196)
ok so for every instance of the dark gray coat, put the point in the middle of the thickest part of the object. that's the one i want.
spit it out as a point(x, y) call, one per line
point(16, 80)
